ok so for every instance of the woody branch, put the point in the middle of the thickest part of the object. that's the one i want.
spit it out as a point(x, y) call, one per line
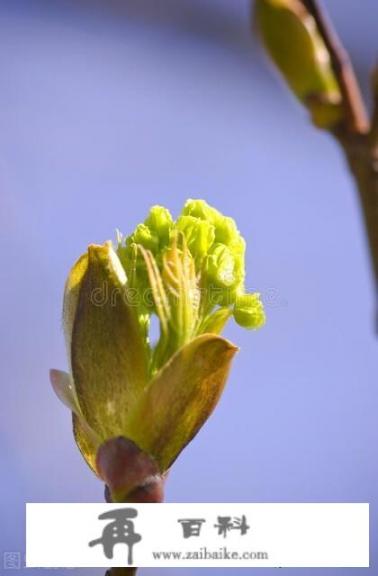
point(358, 135)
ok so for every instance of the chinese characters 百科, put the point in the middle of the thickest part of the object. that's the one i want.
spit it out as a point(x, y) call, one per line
point(192, 526)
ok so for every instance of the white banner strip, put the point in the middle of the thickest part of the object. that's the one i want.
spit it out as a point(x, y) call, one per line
point(194, 535)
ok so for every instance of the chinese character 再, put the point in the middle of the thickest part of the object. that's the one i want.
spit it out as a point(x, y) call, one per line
point(226, 523)
point(121, 530)
point(191, 526)
point(12, 561)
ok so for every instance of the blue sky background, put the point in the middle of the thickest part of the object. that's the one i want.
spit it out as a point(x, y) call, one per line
point(110, 106)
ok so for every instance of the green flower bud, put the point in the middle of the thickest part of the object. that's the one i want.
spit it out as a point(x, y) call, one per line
point(199, 235)
point(226, 231)
point(220, 267)
point(249, 311)
point(144, 236)
point(201, 209)
point(160, 222)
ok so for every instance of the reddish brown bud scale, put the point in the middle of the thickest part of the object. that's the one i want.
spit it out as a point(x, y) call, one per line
point(130, 474)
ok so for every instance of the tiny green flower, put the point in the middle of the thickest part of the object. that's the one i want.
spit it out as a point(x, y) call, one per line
point(249, 311)
point(160, 222)
point(199, 235)
point(221, 266)
point(189, 274)
point(146, 237)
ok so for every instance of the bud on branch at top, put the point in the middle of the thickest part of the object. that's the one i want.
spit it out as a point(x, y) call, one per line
point(294, 42)
point(304, 46)
point(136, 403)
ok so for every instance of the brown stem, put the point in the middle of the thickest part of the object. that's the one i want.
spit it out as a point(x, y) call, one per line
point(362, 156)
point(357, 135)
point(374, 121)
point(152, 491)
point(118, 571)
point(121, 572)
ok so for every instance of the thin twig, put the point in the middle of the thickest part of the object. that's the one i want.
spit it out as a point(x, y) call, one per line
point(121, 572)
point(363, 162)
point(357, 136)
point(373, 136)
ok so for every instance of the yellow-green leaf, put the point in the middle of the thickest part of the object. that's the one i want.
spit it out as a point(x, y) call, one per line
point(71, 295)
point(86, 440)
point(107, 349)
point(181, 397)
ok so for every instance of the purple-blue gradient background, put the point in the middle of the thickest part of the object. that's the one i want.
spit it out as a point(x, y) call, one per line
point(110, 106)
